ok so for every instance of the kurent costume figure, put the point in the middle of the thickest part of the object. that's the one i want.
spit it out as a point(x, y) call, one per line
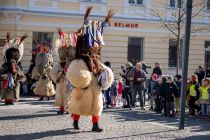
point(43, 86)
point(65, 49)
point(10, 73)
point(87, 75)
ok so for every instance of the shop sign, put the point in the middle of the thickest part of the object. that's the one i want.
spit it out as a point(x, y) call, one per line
point(126, 25)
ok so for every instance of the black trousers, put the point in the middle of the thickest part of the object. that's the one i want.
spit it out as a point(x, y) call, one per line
point(157, 104)
point(163, 105)
point(193, 106)
point(128, 96)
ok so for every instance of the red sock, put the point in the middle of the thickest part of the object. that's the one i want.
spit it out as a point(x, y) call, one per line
point(75, 117)
point(61, 108)
point(95, 119)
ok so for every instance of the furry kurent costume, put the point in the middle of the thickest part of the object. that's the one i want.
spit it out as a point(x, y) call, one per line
point(10, 73)
point(87, 75)
point(43, 65)
point(65, 49)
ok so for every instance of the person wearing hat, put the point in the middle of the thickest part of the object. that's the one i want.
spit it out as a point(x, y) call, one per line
point(194, 94)
point(127, 93)
point(43, 86)
point(10, 73)
point(66, 54)
point(87, 75)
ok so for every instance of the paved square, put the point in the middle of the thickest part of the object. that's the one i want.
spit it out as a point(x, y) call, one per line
point(33, 119)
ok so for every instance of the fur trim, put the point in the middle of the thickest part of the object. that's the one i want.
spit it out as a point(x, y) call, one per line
point(86, 97)
point(86, 101)
point(62, 93)
point(78, 74)
point(55, 73)
point(35, 74)
point(44, 87)
point(21, 50)
point(57, 45)
point(64, 53)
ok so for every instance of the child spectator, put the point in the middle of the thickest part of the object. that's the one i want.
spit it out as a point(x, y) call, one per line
point(178, 81)
point(120, 89)
point(157, 96)
point(25, 88)
point(163, 92)
point(194, 94)
point(172, 93)
point(114, 92)
point(151, 90)
point(204, 98)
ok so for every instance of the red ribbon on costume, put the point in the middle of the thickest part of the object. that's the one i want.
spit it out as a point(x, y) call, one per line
point(67, 39)
point(65, 69)
point(5, 83)
point(40, 48)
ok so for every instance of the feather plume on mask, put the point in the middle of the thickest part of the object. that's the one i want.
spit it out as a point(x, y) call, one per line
point(15, 43)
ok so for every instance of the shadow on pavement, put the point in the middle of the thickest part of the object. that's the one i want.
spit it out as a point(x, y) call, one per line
point(39, 135)
point(121, 115)
point(136, 135)
point(199, 137)
point(21, 117)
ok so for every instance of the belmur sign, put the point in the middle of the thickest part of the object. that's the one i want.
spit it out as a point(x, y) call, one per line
point(126, 25)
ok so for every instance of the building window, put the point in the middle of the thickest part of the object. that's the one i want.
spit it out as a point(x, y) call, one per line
point(172, 54)
point(208, 5)
point(172, 3)
point(175, 3)
point(135, 49)
point(136, 2)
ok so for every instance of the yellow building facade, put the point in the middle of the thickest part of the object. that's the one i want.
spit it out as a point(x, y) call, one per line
point(135, 33)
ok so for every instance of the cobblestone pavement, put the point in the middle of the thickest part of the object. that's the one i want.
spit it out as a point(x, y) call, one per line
point(33, 119)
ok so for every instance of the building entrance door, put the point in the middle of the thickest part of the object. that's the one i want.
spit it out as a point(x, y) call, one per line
point(135, 49)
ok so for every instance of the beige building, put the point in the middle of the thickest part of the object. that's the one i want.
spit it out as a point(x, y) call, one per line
point(136, 33)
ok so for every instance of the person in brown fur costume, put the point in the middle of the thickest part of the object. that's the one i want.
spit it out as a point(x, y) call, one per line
point(43, 65)
point(88, 76)
point(66, 54)
point(10, 73)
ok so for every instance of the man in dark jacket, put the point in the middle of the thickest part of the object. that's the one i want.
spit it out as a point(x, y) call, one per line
point(137, 77)
point(200, 73)
point(157, 70)
point(127, 91)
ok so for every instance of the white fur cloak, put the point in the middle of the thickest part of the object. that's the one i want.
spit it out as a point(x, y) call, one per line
point(44, 87)
point(86, 96)
point(62, 92)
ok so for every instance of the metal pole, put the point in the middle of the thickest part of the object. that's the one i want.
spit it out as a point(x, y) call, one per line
point(185, 63)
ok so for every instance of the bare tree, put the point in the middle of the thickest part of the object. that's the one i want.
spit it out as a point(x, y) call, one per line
point(175, 24)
